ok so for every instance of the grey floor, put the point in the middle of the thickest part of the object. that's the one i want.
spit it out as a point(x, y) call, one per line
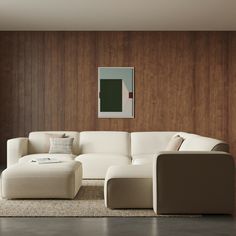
point(217, 225)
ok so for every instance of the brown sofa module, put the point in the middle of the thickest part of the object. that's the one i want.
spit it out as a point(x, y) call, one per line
point(193, 183)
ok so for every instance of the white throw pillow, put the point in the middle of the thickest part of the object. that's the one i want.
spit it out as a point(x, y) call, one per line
point(61, 145)
point(174, 143)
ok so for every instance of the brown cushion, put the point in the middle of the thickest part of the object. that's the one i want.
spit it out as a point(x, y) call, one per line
point(174, 143)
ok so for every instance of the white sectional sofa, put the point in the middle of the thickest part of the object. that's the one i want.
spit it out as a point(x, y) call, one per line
point(97, 150)
point(138, 171)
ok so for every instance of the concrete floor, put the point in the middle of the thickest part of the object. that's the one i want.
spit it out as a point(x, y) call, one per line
point(162, 226)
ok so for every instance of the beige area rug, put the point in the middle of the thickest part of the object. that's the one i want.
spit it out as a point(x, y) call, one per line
point(89, 202)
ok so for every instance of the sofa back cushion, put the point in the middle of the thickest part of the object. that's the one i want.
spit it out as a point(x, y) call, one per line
point(105, 142)
point(39, 142)
point(149, 142)
point(194, 142)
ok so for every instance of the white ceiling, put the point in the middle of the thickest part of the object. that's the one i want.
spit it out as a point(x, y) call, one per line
point(117, 14)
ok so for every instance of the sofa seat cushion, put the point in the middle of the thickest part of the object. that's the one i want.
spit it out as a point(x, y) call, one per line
point(61, 157)
point(95, 165)
point(143, 159)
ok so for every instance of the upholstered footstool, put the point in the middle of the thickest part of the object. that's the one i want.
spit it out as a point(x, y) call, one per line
point(33, 180)
point(128, 186)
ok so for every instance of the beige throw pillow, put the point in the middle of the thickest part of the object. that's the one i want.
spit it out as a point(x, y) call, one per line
point(174, 143)
point(61, 145)
point(47, 137)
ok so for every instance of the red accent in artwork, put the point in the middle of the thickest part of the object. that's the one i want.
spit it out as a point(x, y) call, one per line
point(130, 94)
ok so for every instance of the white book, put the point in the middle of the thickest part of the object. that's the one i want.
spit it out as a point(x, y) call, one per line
point(45, 160)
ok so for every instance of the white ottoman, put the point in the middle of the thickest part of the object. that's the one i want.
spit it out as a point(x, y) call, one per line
point(32, 180)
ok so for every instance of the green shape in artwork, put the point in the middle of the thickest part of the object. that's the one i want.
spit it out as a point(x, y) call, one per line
point(111, 95)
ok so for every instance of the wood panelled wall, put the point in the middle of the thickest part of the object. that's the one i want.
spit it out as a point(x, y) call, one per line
point(183, 81)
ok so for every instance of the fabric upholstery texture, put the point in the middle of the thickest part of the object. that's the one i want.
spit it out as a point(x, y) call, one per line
point(149, 142)
point(43, 140)
point(39, 142)
point(174, 143)
point(16, 148)
point(32, 180)
point(95, 165)
point(193, 183)
point(143, 159)
point(128, 187)
point(194, 142)
point(105, 142)
point(61, 145)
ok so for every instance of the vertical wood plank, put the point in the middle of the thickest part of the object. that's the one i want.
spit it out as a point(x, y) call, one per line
point(87, 81)
point(218, 88)
point(232, 93)
point(37, 80)
point(71, 81)
point(6, 91)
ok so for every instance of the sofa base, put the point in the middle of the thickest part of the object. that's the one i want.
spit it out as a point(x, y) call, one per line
point(128, 187)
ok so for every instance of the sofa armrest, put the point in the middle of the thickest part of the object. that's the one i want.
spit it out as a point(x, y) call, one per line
point(16, 148)
point(193, 183)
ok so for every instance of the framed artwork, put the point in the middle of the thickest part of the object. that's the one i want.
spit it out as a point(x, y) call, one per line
point(115, 92)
